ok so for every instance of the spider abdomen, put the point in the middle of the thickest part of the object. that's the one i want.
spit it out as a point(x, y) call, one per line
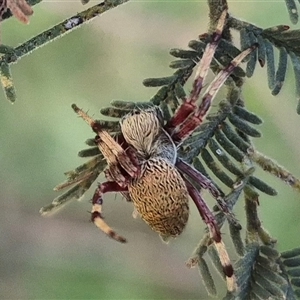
point(161, 198)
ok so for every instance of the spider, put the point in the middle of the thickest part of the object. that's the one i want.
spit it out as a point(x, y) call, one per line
point(143, 164)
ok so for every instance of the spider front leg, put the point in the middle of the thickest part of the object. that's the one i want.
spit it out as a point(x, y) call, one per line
point(113, 173)
point(189, 104)
point(96, 213)
point(185, 129)
point(122, 167)
point(111, 147)
point(215, 235)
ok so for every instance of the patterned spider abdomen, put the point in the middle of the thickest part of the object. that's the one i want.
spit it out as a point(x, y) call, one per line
point(161, 198)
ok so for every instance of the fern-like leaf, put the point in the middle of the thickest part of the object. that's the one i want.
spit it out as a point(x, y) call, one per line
point(280, 37)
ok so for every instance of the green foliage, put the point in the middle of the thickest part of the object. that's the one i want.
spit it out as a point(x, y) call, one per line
point(262, 275)
point(292, 10)
point(280, 37)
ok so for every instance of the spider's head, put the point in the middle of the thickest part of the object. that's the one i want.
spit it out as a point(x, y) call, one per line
point(141, 127)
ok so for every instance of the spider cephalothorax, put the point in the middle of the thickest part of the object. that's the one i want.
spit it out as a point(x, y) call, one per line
point(144, 131)
point(144, 166)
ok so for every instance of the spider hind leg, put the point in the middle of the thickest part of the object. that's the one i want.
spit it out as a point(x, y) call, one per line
point(207, 184)
point(215, 236)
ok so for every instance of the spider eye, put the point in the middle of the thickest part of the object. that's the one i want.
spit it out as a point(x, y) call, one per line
point(136, 112)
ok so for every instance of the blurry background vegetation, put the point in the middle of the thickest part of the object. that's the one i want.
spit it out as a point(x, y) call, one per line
point(64, 256)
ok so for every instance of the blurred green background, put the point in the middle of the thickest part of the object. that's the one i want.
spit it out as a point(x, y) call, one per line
point(64, 256)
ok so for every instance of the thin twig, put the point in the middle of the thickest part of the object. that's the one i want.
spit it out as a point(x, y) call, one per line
point(46, 37)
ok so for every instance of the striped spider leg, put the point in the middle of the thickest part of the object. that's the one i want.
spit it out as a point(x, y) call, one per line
point(116, 158)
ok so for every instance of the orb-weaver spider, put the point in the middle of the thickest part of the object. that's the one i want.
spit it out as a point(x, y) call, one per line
point(144, 166)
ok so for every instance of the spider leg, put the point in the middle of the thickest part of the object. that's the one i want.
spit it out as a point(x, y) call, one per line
point(111, 146)
point(113, 173)
point(96, 213)
point(215, 235)
point(109, 177)
point(205, 183)
point(195, 119)
point(189, 105)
